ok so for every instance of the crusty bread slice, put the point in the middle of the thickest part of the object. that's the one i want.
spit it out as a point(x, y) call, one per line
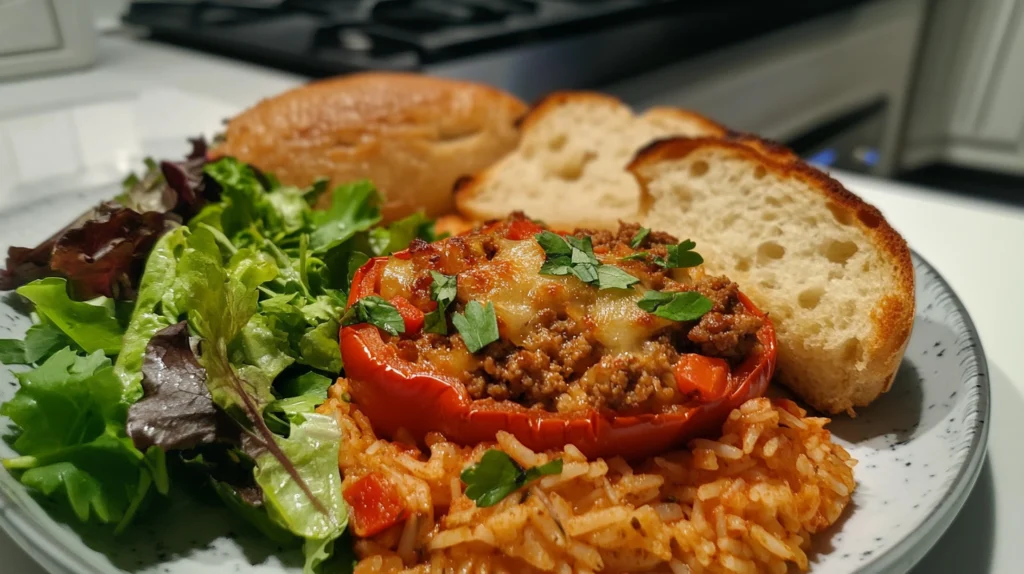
point(412, 135)
point(569, 166)
point(833, 275)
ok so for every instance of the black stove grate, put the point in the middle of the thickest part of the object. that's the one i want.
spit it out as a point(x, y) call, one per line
point(330, 36)
point(327, 37)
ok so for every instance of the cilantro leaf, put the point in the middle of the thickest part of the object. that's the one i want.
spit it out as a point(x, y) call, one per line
point(377, 312)
point(91, 326)
point(638, 256)
point(444, 289)
point(558, 265)
point(675, 306)
point(638, 238)
point(553, 243)
point(550, 467)
point(572, 255)
point(680, 256)
point(611, 277)
point(478, 325)
point(496, 476)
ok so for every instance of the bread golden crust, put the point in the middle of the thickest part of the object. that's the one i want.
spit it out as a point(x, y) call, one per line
point(669, 114)
point(892, 317)
point(412, 135)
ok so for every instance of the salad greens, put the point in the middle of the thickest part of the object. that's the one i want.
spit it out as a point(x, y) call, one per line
point(212, 360)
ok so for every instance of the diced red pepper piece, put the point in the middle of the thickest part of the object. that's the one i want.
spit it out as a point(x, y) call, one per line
point(375, 505)
point(413, 317)
point(708, 376)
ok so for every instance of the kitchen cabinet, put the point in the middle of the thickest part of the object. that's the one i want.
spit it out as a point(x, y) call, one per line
point(967, 106)
point(795, 81)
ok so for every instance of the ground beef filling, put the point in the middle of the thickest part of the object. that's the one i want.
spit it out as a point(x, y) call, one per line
point(562, 369)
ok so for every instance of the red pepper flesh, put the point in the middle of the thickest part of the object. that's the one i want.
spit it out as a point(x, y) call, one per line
point(411, 316)
point(375, 505)
point(395, 394)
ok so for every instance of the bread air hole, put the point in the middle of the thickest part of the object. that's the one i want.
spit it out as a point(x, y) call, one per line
point(841, 214)
point(769, 216)
point(770, 250)
point(698, 168)
point(558, 142)
point(743, 264)
point(760, 172)
point(851, 349)
point(839, 251)
point(571, 168)
point(809, 298)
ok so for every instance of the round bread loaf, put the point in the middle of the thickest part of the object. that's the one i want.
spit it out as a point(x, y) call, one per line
point(412, 135)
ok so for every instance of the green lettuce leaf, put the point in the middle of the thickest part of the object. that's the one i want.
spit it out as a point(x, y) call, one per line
point(400, 234)
point(264, 347)
point(313, 448)
point(354, 209)
point(159, 305)
point(319, 349)
point(221, 300)
point(71, 415)
point(93, 327)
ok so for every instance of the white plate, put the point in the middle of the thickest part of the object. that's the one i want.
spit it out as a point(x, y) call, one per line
point(920, 448)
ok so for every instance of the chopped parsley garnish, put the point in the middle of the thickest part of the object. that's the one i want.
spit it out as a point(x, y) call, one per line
point(675, 306)
point(496, 476)
point(638, 256)
point(680, 256)
point(478, 325)
point(638, 239)
point(377, 312)
point(575, 256)
point(442, 290)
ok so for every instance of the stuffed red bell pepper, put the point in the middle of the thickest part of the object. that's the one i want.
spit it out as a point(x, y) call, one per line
point(616, 342)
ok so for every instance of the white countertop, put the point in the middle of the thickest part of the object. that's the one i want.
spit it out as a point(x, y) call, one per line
point(974, 244)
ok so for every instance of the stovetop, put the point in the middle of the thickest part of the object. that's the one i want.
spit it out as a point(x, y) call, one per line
point(326, 37)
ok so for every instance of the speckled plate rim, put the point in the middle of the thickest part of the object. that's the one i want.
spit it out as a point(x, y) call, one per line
point(907, 552)
point(59, 551)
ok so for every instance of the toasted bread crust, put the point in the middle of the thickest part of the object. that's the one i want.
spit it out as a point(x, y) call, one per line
point(413, 135)
point(555, 100)
point(893, 316)
point(711, 127)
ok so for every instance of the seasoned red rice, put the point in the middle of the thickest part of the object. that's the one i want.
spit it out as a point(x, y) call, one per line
point(747, 502)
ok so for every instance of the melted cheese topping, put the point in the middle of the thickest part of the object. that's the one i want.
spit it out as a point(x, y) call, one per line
point(513, 283)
